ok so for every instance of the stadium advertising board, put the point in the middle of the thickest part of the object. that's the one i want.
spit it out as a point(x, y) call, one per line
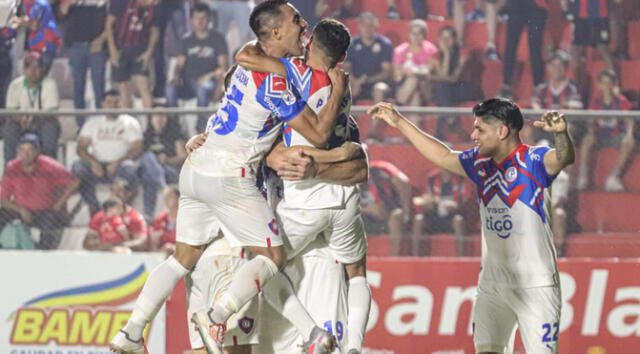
point(71, 302)
point(424, 306)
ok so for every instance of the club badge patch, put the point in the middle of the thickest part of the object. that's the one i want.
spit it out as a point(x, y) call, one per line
point(246, 324)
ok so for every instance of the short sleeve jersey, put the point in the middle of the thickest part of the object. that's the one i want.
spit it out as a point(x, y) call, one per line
point(201, 55)
point(247, 124)
point(611, 126)
point(315, 88)
point(517, 242)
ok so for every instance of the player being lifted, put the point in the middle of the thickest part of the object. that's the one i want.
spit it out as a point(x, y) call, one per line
point(311, 207)
point(217, 184)
point(518, 283)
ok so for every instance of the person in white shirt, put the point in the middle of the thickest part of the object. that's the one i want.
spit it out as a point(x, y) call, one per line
point(32, 91)
point(519, 284)
point(108, 147)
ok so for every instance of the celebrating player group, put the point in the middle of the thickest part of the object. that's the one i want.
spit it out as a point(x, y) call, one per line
point(284, 131)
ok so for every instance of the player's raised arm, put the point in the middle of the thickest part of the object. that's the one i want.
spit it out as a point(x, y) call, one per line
point(317, 128)
point(431, 148)
point(252, 57)
point(564, 153)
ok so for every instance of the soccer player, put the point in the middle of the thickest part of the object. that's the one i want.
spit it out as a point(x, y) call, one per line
point(217, 184)
point(519, 282)
point(311, 207)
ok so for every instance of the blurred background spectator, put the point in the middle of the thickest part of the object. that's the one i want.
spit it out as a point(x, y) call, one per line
point(106, 231)
point(484, 10)
point(532, 15)
point(386, 202)
point(32, 91)
point(132, 35)
point(108, 147)
point(35, 190)
point(86, 38)
point(607, 132)
point(234, 12)
point(411, 66)
point(590, 29)
point(446, 70)
point(201, 66)
point(39, 21)
point(162, 235)
point(164, 153)
point(441, 209)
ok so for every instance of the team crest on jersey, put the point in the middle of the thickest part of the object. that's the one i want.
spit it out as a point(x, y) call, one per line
point(288, 97)
point(273, 226)
point(246, 324)
point(511, 174)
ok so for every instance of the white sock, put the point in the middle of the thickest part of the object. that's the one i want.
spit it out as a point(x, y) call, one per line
point(358, 303)
point(157, 288)
point(247, 281)
point(280, 295)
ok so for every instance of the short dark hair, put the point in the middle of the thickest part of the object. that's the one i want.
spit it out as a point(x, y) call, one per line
point(501, 109)
point(333, 38)
point(264, 16)
point(110, 203)
point(200, 7)
point(111, 92)
point(608, 73)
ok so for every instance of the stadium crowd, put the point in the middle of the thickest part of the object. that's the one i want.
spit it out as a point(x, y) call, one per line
point(169, 53)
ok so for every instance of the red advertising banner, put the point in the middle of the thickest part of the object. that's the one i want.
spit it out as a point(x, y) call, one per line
point(424, 306)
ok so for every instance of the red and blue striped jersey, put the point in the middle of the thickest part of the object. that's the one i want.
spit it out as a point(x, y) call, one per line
point(517, 242)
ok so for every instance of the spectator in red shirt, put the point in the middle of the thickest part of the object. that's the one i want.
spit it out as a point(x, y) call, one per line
point(608, 132)
point(163, 230)
point(111, 232)
point(35, 189)
point(386, 202)
point(133, 220)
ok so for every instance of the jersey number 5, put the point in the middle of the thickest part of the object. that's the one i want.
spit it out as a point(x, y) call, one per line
point(226, 119)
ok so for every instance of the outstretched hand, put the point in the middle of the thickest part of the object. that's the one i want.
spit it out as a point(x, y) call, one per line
point(553, 122)
point(387, 112)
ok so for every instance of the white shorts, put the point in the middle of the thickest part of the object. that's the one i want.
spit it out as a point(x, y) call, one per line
point(233, 203)
point(320, 285)
point(342, 228)
point(499, 310)
point(210, 278)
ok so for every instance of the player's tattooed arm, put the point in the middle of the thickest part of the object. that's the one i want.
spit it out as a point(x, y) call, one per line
point(252, 57)
point(564, 153)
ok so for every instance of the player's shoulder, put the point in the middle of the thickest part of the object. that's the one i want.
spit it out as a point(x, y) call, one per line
point(469, 154)
point(534, 153)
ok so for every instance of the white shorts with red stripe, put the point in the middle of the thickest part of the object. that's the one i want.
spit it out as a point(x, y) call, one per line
point(210, 278)
point(319, 281)
point(233, 203)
